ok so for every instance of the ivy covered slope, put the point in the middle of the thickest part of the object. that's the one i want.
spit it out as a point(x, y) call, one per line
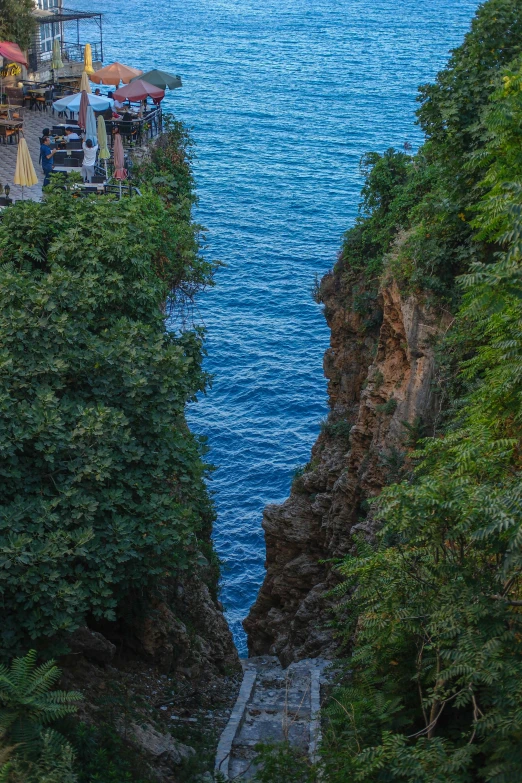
point(435, 689)
point(103, 505)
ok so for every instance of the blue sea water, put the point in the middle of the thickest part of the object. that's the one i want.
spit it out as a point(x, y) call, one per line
point(283, 96)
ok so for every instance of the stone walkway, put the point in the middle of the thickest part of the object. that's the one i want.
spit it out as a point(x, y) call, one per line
point(34, 123)
point(274, 705)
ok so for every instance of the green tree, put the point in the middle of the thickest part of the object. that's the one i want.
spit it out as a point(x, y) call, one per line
point(17, 22)
point(102, 494)
point(436, 683)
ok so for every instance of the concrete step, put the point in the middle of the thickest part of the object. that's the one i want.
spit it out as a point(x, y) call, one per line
point(274, 705)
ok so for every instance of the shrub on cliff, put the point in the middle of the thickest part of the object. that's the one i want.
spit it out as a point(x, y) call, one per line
point(415, 211)
point(102, 491)
point(435, 692)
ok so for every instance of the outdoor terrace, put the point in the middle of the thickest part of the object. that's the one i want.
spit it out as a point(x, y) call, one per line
point(33, 123)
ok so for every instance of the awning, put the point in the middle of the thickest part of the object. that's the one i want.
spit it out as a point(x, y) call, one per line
point(12, 52)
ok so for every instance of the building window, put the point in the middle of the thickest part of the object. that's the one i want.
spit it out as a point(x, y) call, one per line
point(48, 32)
point(44, 5)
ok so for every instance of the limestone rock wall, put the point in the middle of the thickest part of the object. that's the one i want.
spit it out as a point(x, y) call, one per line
point(380, 367)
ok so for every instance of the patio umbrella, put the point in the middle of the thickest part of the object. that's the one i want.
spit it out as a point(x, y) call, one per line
point(90, 126)
point(84, 84)
point(56, 62)
point(82, 111)
point(87, 59)
point(161, 79)
point(120, 172)
point(103, 152)
point(115, 73)
point(138, 90)
point(72, 102)
point(12, 53)
point(25, 175)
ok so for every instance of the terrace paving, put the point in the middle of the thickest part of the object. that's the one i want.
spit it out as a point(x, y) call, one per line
point(34, 123)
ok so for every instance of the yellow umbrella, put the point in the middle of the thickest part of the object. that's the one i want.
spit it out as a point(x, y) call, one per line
point(25, 175)
point(103, 153)
point(87, 59)
point(84, 84)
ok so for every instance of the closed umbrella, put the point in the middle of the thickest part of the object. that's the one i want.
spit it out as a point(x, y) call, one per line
point(161, 79)
point(82, 111)
point(87, 59)
point(138, 90)
point(103, 152)
point(115, 73)
point(120, 172)
point(90, 126)
point(25, 175)
point(56, 62)
point(84, 84)
point(72, 102)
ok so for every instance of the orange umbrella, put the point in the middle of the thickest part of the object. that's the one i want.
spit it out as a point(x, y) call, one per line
point(115, 73)
point(82, 114)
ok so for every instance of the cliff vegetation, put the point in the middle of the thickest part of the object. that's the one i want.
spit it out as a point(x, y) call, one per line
point(411, 502)
point(105, 520)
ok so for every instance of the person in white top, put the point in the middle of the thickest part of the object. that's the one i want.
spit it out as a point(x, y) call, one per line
point(89, 159)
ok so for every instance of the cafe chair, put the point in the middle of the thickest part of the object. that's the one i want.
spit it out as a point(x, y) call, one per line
point(128, 131)
point(9, 133)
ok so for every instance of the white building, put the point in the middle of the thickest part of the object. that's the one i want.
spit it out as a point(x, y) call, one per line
point(72, 28)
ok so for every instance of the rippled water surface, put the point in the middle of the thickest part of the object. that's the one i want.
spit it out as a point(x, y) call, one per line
point(283, 98)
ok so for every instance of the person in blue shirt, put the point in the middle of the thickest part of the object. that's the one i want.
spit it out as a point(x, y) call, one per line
point(46, 155)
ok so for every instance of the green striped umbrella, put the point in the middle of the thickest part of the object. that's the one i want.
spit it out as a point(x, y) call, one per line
point(161, 79)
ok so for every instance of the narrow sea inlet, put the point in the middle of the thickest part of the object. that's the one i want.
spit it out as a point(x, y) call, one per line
point(283, 98)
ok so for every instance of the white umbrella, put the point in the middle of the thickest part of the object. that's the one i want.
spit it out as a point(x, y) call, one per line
point(72, 102)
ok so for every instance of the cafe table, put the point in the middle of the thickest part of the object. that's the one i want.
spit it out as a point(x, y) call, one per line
point(13, 125)
point(7, 108)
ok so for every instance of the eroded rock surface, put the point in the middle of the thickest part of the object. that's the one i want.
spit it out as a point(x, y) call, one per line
point(380, 367)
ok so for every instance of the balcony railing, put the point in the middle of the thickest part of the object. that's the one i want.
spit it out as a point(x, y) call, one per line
point(74, 51)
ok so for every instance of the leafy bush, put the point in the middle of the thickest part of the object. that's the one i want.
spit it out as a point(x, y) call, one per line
point(102, 491)
point(337, 429)
point(282, 763)
point(416, 210)
point(32, 751)
point(388, 408)
point(436, 673)
point(27, 703)
point(102, 756)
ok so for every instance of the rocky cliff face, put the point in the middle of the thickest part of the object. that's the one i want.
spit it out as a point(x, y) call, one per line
point(380, 367)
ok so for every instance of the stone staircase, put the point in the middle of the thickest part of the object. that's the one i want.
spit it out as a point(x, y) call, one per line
point(274, 705)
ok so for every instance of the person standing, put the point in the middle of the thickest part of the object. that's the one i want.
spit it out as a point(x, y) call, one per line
point(46, 156)
point(89, 159)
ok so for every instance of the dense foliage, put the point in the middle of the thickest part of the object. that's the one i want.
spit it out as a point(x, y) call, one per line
point(435, 688)
point(102, 484)
point(415, 210)
point(17, 22)
point(31, 751)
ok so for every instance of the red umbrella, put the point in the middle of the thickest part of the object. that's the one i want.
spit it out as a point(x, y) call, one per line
point(12, 52)
point(120, 172)
point(138, 90)
point(82, 114)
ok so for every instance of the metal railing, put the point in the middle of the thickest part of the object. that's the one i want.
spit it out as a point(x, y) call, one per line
point(74, 51)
